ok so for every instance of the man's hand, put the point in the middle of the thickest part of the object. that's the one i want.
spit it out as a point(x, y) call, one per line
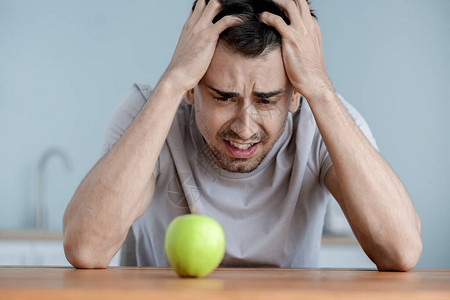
point(197, 44)
point(301, 47)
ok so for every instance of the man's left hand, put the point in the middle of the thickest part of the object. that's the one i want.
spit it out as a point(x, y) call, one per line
point(301, 47)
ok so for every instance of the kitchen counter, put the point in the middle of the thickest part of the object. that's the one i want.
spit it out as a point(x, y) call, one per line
point(30, 235)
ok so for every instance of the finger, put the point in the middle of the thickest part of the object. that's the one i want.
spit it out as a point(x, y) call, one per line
point(194, 4)
point(305, 11)
point(225, 23)
point(291, 10)
point(198, 8)
point(319, 37)
point(193, 7)
point(211, 10)
point(275, 21)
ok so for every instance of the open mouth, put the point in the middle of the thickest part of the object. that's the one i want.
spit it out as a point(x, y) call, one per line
point(241, 150)
point(240, 146)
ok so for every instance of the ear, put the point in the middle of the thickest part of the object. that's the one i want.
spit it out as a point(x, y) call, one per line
point(190, 96)
point(295, 101)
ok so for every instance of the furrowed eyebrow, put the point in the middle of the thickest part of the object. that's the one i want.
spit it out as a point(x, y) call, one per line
point(224, 94)
point(262, 95)
point(266, 95)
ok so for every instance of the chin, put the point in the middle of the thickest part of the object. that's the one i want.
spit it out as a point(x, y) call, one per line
point(237, 165)
point(240, 168)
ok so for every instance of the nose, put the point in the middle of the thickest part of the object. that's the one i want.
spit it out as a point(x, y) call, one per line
point(245, 122)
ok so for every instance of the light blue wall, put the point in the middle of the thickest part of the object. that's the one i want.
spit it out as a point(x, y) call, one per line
point(64, 67)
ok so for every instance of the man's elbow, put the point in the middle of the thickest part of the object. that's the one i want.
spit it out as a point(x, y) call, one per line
point(81, 257)
point(404, 259)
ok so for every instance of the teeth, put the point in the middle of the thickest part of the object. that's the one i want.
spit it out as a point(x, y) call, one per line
point(241, 146)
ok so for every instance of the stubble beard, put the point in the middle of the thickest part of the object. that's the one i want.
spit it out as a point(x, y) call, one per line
point(241, 165)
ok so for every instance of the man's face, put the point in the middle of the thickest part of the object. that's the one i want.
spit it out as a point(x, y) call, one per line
point(241, 105)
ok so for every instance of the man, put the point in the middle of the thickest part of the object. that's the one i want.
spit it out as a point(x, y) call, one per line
point(259, 143)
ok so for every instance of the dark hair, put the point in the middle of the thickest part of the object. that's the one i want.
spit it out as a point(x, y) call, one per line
point(252, 38)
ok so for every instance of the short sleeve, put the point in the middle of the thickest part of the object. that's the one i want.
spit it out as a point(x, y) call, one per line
point(124, 115)
point(325, 160)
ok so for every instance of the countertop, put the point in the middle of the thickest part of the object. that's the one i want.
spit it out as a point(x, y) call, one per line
point(223, 283)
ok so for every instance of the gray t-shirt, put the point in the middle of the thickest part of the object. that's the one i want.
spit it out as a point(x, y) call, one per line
point(272, 216)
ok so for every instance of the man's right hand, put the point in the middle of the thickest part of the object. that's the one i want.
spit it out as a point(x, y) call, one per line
point(196, 45)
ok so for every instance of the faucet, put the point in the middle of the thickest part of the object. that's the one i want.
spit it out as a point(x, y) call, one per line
point(40, 209)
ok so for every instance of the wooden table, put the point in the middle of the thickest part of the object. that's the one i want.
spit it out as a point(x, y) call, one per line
point(241, 283)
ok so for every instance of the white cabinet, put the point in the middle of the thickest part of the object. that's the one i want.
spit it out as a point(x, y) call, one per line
point(51, 253)
point(15, 253)
point(344, 256)
point(36, 253)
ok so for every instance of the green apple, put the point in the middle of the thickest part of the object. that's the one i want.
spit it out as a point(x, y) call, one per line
point(194, 245)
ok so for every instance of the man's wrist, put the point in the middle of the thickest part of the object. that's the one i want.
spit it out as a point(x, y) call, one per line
point(321, 93)
point(168, 86)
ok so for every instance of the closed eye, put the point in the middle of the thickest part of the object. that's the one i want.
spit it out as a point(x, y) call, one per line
point(266, 102)
point(223, 99)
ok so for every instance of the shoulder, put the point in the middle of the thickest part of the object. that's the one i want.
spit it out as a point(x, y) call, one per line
point(125, 113)
point(304, 111)
point(144, 90)
point(359, 121)
point(132, 103)
point(304, 119)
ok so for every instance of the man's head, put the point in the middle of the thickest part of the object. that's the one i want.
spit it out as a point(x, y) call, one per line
point(242, 102)
point(252, 38)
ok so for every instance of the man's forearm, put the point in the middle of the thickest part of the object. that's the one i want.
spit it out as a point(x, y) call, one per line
point(373, 198)
point(120, 186)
